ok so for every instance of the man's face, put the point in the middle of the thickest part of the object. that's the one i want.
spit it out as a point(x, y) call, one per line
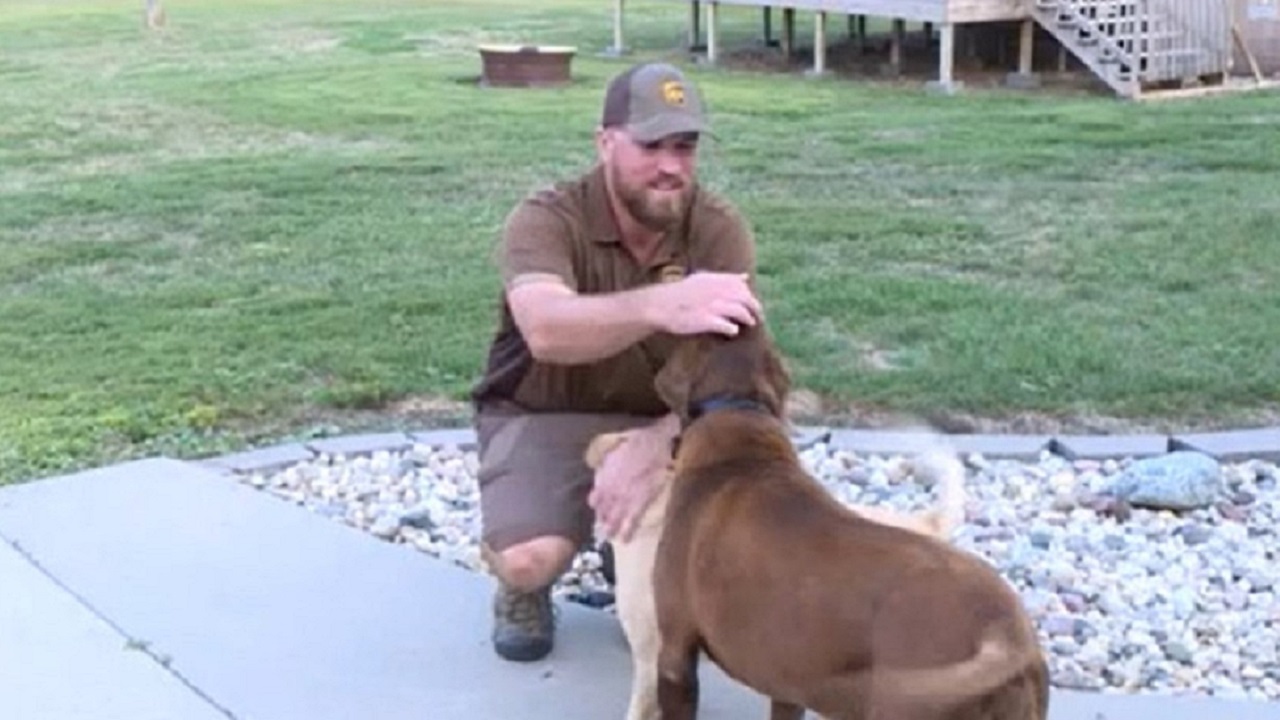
point(653, 180)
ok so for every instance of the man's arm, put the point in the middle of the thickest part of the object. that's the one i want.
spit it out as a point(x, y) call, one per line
point(562, 326)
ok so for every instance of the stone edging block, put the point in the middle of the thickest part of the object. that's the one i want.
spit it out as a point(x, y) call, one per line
point(362, 444)
point(1233, 445)
point(1109, 447)
point(464, 438)
point(1025, 448)
point(806, 437)
point(1227, 446)
point(880, 442)
point(260, 460)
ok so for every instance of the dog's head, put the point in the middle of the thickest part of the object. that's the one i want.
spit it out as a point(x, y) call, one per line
point(711, 368)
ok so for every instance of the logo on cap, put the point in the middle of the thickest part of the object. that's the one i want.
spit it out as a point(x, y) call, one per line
point(673, 92)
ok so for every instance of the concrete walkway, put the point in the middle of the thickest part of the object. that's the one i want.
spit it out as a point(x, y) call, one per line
point(164, 589)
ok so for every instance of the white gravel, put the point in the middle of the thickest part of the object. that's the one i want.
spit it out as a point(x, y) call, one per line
point(1127, 598)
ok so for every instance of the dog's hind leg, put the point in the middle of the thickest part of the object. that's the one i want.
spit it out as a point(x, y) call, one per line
point(779, 710)
point(678, 676)
point(639, 619)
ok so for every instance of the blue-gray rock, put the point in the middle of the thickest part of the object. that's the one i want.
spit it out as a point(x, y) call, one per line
point(1183, 601)
point(1084, 630)
point(1077, 544)
point(1194, 533)
point(1178, 652)
point(1181, 480)
point(419, 516)
point(1259, 579)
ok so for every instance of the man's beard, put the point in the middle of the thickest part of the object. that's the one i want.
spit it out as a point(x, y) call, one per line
point(655, 212)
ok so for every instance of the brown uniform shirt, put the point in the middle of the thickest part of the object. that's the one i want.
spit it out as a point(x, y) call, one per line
point(568, 231)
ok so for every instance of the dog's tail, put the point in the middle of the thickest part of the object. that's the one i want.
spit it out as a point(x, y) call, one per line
point(996, 661)
point(944, 468)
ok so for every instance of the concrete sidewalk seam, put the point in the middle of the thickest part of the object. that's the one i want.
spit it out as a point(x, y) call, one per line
point(130, 642)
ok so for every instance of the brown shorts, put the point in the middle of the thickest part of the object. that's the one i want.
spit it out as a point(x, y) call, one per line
point(533, 481)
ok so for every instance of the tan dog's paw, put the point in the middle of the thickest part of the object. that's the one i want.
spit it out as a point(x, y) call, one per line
point(600, 446)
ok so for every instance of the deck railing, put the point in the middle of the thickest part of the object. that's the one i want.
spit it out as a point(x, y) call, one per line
point(1157, 39)
point(1197, 42)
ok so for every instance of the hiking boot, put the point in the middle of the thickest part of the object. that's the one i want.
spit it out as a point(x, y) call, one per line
point(523, 624)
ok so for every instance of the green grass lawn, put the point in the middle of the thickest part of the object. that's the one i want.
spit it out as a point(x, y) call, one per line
point(274, 218)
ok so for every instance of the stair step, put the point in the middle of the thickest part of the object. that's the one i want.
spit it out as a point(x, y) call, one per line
point(1112, 7)
point(1148, 37)
point(1122, 41)
point(1122, 22)
point(1175, 53)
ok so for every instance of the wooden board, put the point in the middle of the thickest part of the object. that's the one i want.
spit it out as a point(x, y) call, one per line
point(916, 10)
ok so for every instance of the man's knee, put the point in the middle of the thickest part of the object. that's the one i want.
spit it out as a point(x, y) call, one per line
point(532, 564)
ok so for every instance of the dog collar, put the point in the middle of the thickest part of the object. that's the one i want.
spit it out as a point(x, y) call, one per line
point(713, 404)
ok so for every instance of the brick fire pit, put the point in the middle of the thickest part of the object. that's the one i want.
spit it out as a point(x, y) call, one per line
point(525, 65)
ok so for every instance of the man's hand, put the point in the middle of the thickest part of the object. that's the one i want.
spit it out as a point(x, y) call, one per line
point(627, 481)
point(706, 302)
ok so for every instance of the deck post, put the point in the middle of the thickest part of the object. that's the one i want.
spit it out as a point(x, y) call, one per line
point(695, 26)
point(1024, 78)
point(788, 31)
point(860, 31)
point(946, 83)
point(820, 42)
point(1025, 40)
point(768, 27)
point(894, 68)
point(619, 47)
point(713, 32)
point(947, 54)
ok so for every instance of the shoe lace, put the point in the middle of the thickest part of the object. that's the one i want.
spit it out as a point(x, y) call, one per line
point(531, 612)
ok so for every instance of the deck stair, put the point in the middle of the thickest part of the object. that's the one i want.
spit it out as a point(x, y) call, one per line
point(1138, 47)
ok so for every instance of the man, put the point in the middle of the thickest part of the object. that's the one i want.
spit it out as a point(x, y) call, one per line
point(600, 275)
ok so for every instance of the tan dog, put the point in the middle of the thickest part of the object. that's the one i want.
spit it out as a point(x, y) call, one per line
point(633, 559)
point(796, 596)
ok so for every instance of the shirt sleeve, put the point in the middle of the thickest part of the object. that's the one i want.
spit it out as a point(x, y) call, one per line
point(536, 245)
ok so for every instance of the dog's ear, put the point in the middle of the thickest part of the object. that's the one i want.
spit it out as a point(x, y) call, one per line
point(776, 385)
point(674, 380)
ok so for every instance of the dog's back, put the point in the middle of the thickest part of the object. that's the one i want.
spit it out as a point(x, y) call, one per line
point(809, 603)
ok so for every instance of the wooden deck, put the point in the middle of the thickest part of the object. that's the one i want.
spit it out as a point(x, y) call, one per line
point(936, 11)
point(942, 15)
point(1135, 46)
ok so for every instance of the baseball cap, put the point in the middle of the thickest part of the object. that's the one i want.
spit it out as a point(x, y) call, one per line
point(652, 101)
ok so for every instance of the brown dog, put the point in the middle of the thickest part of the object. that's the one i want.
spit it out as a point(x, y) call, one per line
point(801, 599)
point(634, 558)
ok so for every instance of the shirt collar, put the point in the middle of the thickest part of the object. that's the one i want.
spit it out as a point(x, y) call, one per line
point(600, 221)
